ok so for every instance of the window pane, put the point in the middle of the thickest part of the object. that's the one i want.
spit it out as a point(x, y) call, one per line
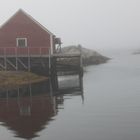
point(22, 42)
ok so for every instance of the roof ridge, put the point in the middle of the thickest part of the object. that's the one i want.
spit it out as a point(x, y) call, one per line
point(29, 16)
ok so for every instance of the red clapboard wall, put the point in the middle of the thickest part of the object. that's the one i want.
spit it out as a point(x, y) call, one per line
point(22, 26)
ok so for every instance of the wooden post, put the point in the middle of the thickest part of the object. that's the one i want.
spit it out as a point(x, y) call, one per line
point(53, 75)
point(81, 60)
point(53, 72)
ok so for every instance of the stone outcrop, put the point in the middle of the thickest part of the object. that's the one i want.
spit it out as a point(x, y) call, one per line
point(89, 57)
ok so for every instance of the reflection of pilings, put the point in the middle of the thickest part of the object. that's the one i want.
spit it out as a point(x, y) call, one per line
point(81, 87)
point(18, 97)
point(30, 93)
point(7, 98)
point(54, 104)
point(53, 98)
point(27, 109)
point(81, 82)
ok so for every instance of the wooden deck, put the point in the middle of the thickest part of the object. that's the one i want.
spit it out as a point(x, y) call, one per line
point(15, 56)
point(31, 51)
point(52, 65)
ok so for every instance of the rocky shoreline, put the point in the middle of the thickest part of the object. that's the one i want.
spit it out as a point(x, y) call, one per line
point(89, 56)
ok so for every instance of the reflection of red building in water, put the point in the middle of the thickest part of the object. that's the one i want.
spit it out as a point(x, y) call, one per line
point(27, 116)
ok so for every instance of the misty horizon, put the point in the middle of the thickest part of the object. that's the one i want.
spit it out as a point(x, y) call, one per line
point(93, 24)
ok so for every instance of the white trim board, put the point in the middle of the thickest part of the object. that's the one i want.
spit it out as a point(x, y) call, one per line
point(19, 38)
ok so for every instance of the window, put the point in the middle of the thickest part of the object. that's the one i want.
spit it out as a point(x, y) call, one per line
point(21, 42)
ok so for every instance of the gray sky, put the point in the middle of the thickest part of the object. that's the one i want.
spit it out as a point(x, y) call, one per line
point(92, 23)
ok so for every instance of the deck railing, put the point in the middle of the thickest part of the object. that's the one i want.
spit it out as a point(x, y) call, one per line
point(26, 51)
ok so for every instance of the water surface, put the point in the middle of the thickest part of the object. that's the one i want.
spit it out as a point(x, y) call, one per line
point(109, 109)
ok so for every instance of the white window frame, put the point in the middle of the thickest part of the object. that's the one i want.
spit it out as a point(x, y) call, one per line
point(17, 39)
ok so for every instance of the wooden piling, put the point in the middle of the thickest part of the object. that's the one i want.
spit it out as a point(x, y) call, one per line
point(54, 77)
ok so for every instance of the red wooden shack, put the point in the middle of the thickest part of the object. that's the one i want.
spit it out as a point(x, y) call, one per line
point(26, 45)
point(22, 35)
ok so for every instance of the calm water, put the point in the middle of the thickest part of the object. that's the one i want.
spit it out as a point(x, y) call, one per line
point(109, 109)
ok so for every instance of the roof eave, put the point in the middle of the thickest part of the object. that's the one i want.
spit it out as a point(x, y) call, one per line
point(29, 16)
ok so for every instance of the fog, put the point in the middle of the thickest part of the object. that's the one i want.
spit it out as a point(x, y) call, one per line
point(97, 24)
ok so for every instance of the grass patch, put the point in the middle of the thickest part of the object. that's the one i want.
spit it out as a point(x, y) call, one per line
point(18, 78)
